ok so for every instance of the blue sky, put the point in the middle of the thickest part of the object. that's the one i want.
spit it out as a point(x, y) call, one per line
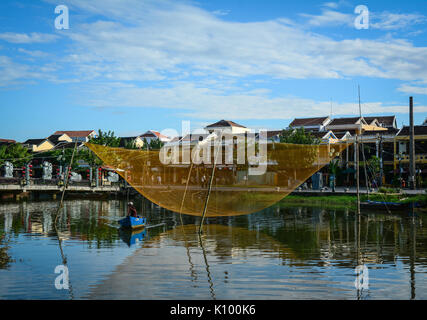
point(134, 65)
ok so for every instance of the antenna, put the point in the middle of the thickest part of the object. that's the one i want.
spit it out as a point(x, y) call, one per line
point(360, 107)
point(331, 109)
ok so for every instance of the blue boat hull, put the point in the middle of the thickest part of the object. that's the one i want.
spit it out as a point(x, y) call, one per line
point(132, 237)
point(132, 222)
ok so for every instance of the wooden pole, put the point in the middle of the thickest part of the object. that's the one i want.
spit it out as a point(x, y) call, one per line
point(412, 182)
point(357, 173)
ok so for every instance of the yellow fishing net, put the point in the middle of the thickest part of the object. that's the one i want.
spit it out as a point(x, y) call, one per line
point(182, 185)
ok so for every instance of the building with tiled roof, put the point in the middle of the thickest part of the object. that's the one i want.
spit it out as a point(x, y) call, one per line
point(38, 145)
point(137, 141)
point(154, 135)
point(318, 123)
point(59, 138)
point(227, 125)
point(384, 121)
point(6, 142)
point(79, 135)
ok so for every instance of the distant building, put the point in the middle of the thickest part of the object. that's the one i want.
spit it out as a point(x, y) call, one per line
point(273, 135)
point(401, 146)
point(6, 142)
point(38, 145)
point(227, 125)
point(137, 141)
point(59, 139)
point(154, 135)
point(383, 121)
point(80, 136)
point(325, 137)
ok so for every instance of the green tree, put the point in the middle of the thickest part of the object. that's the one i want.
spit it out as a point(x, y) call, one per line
point(374, 165)
point(155, 144)
point(15, 153)
point(107, 139)
point(130, 145)
point(298, 136)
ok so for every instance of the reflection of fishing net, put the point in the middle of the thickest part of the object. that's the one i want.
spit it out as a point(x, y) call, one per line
point(184, 187)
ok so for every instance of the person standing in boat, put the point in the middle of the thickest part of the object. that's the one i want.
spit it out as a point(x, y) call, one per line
point(132, 210)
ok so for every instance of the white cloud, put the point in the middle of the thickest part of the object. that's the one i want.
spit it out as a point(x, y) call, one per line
point(329, 18)
point(33, 37)
point(198, 62)
point(413, 89)
point(33, 53)
point(332, 5)
point(221, 12)
point(12, 73)
point(394, 21)
point(161, 42)
point(203, 103)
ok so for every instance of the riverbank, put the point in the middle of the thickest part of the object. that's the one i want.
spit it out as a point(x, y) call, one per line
point(350, 200)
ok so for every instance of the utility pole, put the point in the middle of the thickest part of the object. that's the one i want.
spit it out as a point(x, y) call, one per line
point(412, 182)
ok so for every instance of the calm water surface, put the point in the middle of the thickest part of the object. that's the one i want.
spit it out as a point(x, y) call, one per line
point(279, 253)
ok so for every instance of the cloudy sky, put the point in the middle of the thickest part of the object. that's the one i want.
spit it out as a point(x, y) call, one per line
point(134, 65)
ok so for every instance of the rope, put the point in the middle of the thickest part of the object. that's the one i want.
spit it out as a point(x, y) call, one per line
point(65, 184)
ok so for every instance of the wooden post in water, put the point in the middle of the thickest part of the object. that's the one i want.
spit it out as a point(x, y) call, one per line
point(412, 181)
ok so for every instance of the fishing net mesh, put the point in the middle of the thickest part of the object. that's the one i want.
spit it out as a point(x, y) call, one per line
point(184, 188)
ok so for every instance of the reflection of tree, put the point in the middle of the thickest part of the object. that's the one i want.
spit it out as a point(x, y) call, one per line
point(5, 259)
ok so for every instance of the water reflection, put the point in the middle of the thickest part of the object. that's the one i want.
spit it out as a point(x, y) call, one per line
point(282, 252)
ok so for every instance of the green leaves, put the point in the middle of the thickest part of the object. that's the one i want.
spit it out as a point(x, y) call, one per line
point(298, 136)
point(15, 153)
point(107, 139)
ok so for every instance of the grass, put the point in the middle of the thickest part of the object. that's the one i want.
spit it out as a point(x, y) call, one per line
point(346, 200)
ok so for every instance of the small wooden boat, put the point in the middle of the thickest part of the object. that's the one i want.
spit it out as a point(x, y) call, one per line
point(382, 205)
point(133, 222)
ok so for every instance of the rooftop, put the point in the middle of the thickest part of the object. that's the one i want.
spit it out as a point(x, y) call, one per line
point(308, 121)
point(344, 121)
point(35, 141)
point(72, 134)
point(387, 121)
point(151, 133)
point(225, 123)
point(418, 130)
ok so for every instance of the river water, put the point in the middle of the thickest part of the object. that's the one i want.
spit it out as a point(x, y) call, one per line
point(283, 252)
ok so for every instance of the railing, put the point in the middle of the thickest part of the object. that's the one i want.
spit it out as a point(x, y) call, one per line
point(40, 182)
point(405, 157)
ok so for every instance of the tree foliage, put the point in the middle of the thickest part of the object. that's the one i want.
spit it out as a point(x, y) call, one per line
point(107, 139)
point(298, 136)
point(15, 153)
point(155, 144)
